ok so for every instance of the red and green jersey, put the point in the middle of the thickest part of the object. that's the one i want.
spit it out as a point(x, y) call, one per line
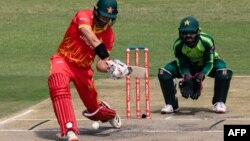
point(74, 46)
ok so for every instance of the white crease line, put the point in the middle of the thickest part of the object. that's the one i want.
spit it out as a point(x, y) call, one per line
point(201, 119)
point(169, 131)
point(17, 116)
point(51, 119)
point(167, 118)
point(23, 130)
point(124, 131)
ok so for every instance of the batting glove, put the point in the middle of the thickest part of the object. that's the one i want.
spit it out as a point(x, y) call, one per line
point(117, 69)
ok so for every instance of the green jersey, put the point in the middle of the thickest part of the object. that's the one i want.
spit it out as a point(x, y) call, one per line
point(201, 56)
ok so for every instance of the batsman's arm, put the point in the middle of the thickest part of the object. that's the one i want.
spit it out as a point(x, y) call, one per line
point(94, 42)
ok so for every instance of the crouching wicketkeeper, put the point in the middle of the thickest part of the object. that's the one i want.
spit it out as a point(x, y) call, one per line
point(195, 58)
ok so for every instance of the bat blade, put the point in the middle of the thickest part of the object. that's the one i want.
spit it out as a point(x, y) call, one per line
point(135, 71)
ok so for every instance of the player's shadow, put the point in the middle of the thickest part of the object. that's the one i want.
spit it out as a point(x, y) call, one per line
point(48, 134)
point(101, 132)
point(188, 111)
point(54, 135)
point(192, 111)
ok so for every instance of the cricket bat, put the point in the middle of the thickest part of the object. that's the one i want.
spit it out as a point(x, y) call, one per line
point(138, 72)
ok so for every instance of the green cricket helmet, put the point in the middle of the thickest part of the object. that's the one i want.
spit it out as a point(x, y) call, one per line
point(189, 31)
point(107, 8)
point(189, 24)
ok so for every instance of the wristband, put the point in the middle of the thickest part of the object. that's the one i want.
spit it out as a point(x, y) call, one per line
point(101, 51)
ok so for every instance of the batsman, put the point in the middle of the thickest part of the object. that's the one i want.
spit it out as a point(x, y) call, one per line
point(89, 35)
point(196, 59)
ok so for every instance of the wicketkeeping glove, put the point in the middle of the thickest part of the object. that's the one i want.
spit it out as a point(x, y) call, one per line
point(197, 88)
point(186, 86)
point(117, 69)
point(199, 77)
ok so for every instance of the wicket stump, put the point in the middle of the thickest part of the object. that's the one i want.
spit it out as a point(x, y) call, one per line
point(137, 83)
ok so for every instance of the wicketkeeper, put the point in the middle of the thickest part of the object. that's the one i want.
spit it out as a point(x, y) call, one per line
point(196, 58)
point(89, 34)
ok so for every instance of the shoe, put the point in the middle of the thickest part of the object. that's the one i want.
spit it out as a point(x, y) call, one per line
point(219, 107)
point(116, 122)
point(71, 136)
point(167, 109)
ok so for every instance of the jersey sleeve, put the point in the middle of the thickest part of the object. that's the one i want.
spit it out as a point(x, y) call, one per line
point(209, 53)
point(83, 19)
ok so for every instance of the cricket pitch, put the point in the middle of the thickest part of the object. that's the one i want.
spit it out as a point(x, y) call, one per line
point(194, 122)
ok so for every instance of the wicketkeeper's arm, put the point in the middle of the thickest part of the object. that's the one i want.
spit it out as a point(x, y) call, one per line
point(209, 55)
point(182, 61)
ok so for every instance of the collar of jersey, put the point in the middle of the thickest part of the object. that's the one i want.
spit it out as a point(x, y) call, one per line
point(99, 30)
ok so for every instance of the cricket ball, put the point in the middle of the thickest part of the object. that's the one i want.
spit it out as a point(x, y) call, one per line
point(95, 125)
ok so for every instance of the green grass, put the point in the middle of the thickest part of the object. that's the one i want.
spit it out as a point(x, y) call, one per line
point(31, 31)
point(18, 92)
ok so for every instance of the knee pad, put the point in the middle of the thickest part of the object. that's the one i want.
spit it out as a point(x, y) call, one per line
point(164, 74)
point(63, 109)
point(61, 100)
point(224, 74)
point(168, 85)
point(221, 85)
point(58, 85)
